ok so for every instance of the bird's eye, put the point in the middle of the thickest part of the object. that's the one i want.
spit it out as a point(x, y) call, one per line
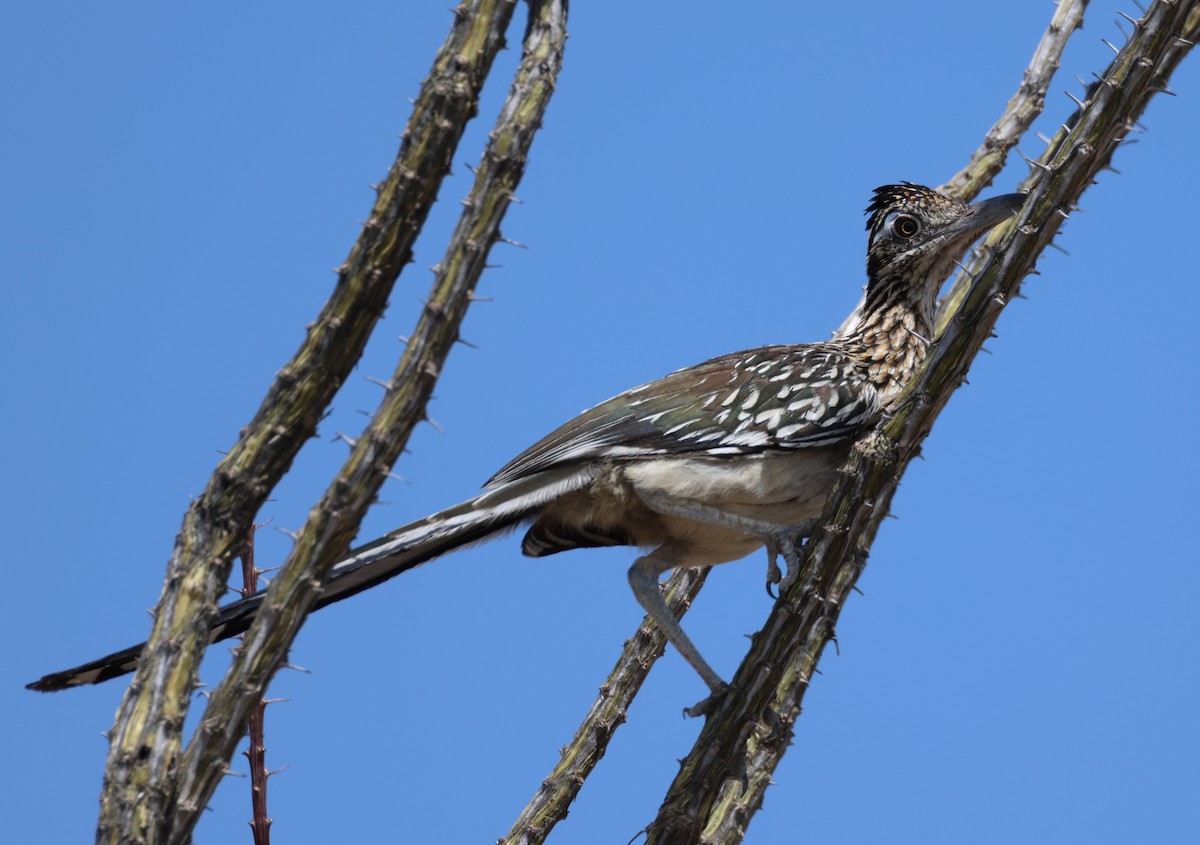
point(905, 226)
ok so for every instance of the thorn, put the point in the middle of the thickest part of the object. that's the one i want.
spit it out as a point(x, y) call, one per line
point(297, 668)
point(396, 477)
point(475, 298)
point(1162, 89)
point(1059, 248)
point(1109, 45)
point(985, 350)
point(1074, 99)
point(855, 588)
point(386, 385)
point(1183, 42)
point(1112, 169)
point(231, 773)
point(1123, 32)
point(276, 700)
point(434, 423)
point(273, 772)
point(518, 201)
point(295, 535)
point(917, 336)
point(1020, 295)
point(1031, 162)
point(493, 266)
point(1141, 8)
point(466, 343)
point(469, 167)
point(1062, 214)
point(1082, 84)
point(347, 440)
point(1044, 138)
point(1126, 17)
point(965, 271)
point(505, 240)
point(402, 338)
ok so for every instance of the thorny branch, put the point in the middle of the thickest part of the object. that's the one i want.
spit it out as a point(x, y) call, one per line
point(721, 783)
point(256, 751)
point(579, 757)
point(139, 797)
point(334, 520)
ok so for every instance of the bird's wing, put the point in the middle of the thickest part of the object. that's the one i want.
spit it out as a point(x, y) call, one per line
point(771, 398)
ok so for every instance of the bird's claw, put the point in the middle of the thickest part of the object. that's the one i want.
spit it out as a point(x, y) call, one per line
point(782, 541)
point(707, 706)
point(774, 576)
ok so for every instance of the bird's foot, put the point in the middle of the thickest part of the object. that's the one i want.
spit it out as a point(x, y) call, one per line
point(785, 540)
point(708, 705)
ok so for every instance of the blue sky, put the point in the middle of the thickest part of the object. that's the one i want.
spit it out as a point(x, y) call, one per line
point(179, 183)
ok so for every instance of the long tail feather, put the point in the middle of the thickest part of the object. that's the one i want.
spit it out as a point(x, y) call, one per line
point(472, 521)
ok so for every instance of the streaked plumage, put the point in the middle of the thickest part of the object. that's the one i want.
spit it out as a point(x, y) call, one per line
point(706, 464)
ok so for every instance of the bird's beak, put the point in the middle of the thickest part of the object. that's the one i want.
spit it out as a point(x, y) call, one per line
point(990, 212)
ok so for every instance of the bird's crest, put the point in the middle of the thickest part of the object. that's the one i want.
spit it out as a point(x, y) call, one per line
point(906, 196)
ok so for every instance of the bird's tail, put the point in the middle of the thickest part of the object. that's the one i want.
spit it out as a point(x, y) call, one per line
point(405, 548)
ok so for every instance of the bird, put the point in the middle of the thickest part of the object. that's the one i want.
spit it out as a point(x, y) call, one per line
point(705, 465)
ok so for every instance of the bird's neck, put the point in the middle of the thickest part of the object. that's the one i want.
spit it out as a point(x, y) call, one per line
point(894, 333)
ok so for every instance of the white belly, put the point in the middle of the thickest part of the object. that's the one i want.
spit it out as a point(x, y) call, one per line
point(777, 486)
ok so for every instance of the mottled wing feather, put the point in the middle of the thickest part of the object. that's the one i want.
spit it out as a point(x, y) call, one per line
point(772, 398)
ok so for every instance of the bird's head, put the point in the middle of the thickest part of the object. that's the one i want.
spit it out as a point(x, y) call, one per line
point(917, 235)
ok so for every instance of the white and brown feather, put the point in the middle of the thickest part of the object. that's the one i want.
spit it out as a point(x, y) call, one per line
point(761, 432)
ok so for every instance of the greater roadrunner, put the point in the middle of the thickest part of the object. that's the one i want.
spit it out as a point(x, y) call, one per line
point(705, 465)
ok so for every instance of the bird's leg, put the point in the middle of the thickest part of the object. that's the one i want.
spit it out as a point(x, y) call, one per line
point(779, 539)
point(643, 578)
